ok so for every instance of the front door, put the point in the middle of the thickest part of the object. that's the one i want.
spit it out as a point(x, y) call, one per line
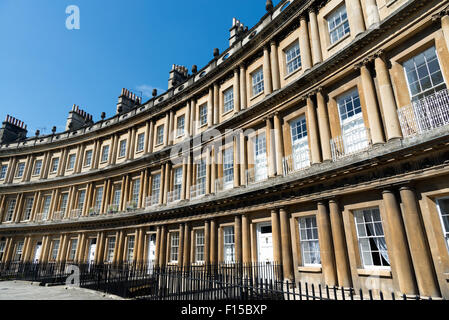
point(37, 252)
point(265, 242)
point(151, 251)
point(92, 247)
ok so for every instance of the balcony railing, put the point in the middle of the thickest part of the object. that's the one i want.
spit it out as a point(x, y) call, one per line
point(258, 174)
point(58, 215)
point(42, 216)
point(426, 114)
point(354, 141)
point(224, 184)
point(151, 201)
point(174, 195)
point(131, 206)
point(296, 162)
point(94, 212)
point(112, 208)
point(75, 213)
point(197, 190)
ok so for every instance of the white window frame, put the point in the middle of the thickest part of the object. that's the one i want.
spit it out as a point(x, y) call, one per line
point(229, 244)
point(292, 58)
point(122, 148)
point(19, 251)
point(199, 246)
point(3, 171)
point(156, 187)
point(54, 165)
point(309, 239)
point(29, 201)
point(10, 210)
point(257, 82)
point(228, 100)
point(362, 238)
point(20, 169)
point(343, 25)
point(105, 153)
point(202, 114)
point(160, 135)
point(54, 250)
point(70, 163)
point(174, 247)
point(180, 126)
point(72, 250)
point(140, 142)
point(37, 167)
point(130, 248)
point(442, 217)
point(228, 168)
point(88, 158)
point(110, 250)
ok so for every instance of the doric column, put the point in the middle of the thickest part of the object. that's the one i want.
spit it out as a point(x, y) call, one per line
point(213, 242)
point(163, 247)
point(372, 13)
point(246, 239)
point(390, 111)
point(268, 87)
point(287, 257)
point(275, 66)
point(238, 238)
point(277, 242)
point(210, 108)
point(216, 103)
point(326, 247)
point(398, 249)
point(208, 170)
point(181, 246)
point(243, 159)
point(171, 128)
point(445, 26)
point(304, 43)
point(317, 56)
point(243, 87)
point(313, 128)
point(323, 125)
point(270, 148)
point(166, 181)
point(166, 129)
point(158, 245)
point(188, 176)
point(188, 120)
point(187, 240)
point(236, 88)
point(236, 153)
point(355, 15)
point(417, 241)
point(372, 108)
point(206, 242)
point(338, 236)
point(279, 141)
point(184, 178)
point(193, 118)
point(213, 171)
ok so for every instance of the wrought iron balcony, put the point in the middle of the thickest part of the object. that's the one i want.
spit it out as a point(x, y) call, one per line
point(76, 213)
point(198, 190)
point(351, 142)
point(425, 114)
point(224, 184)
point(257, 174)
point(151, 201)
point(173, 196)
point(296, 162)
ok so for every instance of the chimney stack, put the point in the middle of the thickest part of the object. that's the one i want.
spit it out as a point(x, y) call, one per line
point(12, 130)
point(127, 100)
point(178, 74)
point(236, 31)
point(78, 118)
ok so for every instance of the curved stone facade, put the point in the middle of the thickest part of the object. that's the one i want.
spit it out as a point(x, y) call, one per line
point(319, 139)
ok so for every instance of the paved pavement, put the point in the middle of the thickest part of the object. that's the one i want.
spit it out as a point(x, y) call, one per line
point(22, 290)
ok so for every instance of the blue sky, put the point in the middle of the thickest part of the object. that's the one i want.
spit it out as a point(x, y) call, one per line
point(46, 68)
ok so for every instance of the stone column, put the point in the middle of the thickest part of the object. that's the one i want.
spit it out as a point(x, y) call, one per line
point(208, 171)
point(243, 101)
point(246, 239)
point(238, 238)
point(390, 111)
point(188, 120)
point(313, 131)
point(162, 187)
point(317, 56)
point(279, 142)
point(236, 89)
point(162, 247)
point(158, 245)
point(304, 43)
point(445, 26)
point(275, 66)
point(277, 242)
point(243, 159)
point(268, 87)
point(355, 16)
point(184, 178)
point(210, 108)
point(326, 247)
point(398, 249)
point(187, 240)
point(166, 181)
point(270, 148)
point(206, 242)
point(372, 13)
point(216, 103)
point(181, 246)
point(236, 152)
point(419, 247)
point(340, 249)
point(323, 125)
point(213, 171)
point(193, 120)
point(213, 242)
point(372, 108)
point(188, 176)
point(287, 256)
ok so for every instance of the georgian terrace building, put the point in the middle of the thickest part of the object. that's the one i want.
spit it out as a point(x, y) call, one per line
point(319, 139)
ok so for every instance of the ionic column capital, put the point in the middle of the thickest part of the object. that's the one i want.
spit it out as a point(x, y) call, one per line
point(441, 14)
